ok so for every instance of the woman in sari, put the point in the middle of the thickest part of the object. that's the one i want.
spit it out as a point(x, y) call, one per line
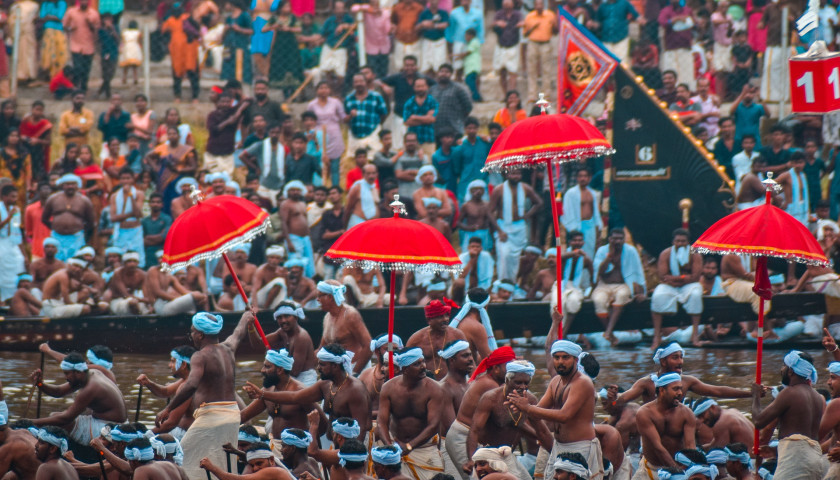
point(512, 111)
point(286, 69)
point(15, 163)
point(8, 118)
point(171, 161)
point(172, 118)
point(53, 42)
point(36, 132)
point(93, 180)
point(67, 163)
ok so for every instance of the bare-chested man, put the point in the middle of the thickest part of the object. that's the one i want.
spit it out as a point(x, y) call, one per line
point(622, 417)
point(363, 198)
point(17, 452)
point(492, 463)
point(569, 404)
point(752, 190)
point(737, 279)
point(244, 270)
point(295, 225)
point(261, 462)
point(343, 324)
point(433, 338)
point(578, 272)
point(295, 340)
point(475, 217)
point(376, 375)
point(489, 374)
point(99, 357)
point(666, 426)
point(387, 462)
point(127, 287)
point(459, 365)
point(169, 295)
point(98, 400)
point(738, 462)
point(343, 429)
point(471, 320)
point(23, 303)
point(728, 424)
point(210, 388)
point(293, 445)
point(69, 215)
point(798, 409)
point(50, 450)
point(367, 286)
point(495, 423)
point(795, 188)
point(830, 423)
point(343, 394)
point(182, 202)
point(410, 407)
point(619, 279)
point(182, 417)
point(433, 217)
point(42, 268)
point(426, 177)
point(301, 288)
point(269, 285)
point(353, 454)
point(64, 294)
point(141, 461)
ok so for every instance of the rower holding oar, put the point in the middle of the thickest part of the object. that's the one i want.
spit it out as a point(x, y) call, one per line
point(182, 417)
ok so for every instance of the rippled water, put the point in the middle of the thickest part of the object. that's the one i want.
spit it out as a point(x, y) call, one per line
point(730, 367)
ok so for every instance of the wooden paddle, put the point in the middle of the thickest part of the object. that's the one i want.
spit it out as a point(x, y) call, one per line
point(38, 407)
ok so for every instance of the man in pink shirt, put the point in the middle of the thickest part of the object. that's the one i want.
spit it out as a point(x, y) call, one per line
point(378, 28)
point(82, 24)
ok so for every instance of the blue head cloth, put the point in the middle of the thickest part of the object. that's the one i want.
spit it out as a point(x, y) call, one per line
point(432, 201)
point(179, 359)
point(343, 458)
point(764, 474)
point(24, 277)
point(92, 358)
point(800, 366)
point(482, 313)
point(246, 437)
point(602, 393)
point(293, 184)
point(287, 310)
point(119, 436)
point(234, 186)
point(566, 346)
point(290, 438)
point(521, 366)
point(346, 431)
point(717, 456)
point(3, 420)
point(551, 252)
point(173, 448)
point(185, 181)
point(667, 379)
point(382, 340)
point(69, 177)
point(436, 287)
point(667, 351)
point(408, 357)
point(666, 475)
point(703, 406)
point(384, 455)
point(68, 367)
point(139, 454)
point(498, 284)
point(743, 457)
point(458, 346)
point(337, 291)
point(424, 170)
point(683, 460)
point(4, 409)
point(834, 368)
point(710, 471)
point(295, 262)
point(52, 241)
point(344, 360)
point(212, 177)
point(47, 437)
point(242, 247)
point(207, 323)
point(534, 249)
point(477, 184)
point(281, 358)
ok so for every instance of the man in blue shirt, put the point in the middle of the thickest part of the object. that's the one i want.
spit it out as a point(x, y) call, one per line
point(419, 115)
point(442, 161)
point(366, 110)
point(747, 114)
point(613, 25)
point(469, 157)
point(334, 56)
point(461, 19)
point(432, 23)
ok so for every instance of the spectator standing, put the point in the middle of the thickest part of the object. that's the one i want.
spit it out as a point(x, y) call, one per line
point(613, 24)
point(433, 23)
point(442, 161)
point(115, 122)
point(222, 124)
point(461, 19)
point(26, 12)
point(506, 60)
point(334, 55)
point(33, 227)
point(114, 8)
point(81, 23)
point(310, 41)
point(377, 35)
point(725, 146)
point(261, 39)
point(400, 87)
point(36, 132)
point(468, 158)
point(267, 157)
point(419, 116)
point(183, 52)
point(75, 124)
point(742, 62)
point(814, 171)
point(131, 51)
point(237, 42)
point(404, 16)
point(540, 25)
point(747, 114)
point(143, 122)
point(155, 227)
point(709, 107)
point(668, 92)
point(270, 109)
point(773, 82)
point(511, 112)
point(300, 165)
point(454, 104)
point(331, 114)
point(109, 52)
point(776, 153)
point(366, 112)
point(722, 49)
point(678, 23)
point(472, 64)
point(53, 40)
point(408, 162)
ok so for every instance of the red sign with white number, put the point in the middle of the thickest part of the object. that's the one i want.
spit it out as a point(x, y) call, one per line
point(815, 84)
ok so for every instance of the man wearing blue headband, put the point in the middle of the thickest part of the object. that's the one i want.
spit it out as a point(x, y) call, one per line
point(728, 424)
point(268, 287)
point(433, 337)
point(99, 357)
point(433, 217)
point(50, 451)
point(141, 461)
point(182, 417)
point(496, 423)
point(665, 425)
point(293, 213)
point(668, 358)
point(387, 462)
point(294, 443)
point(343, 324)
point(210, 388)
point(798, 409)
point(126, 287)
point(261, 461)
point(410, 408)
point(470, 320)
point(460, 365)
point(738, 463)
point(98, 400)
point(343, 394)
point(25, 303)
point(623, 418)
point(16, 452)
point(69, 215)
point(294, 339)
point(42, 268)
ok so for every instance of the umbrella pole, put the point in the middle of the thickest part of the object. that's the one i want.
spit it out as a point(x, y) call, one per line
point(759, 355)
point(391, 325)
point(245, 297)
point(558, 261)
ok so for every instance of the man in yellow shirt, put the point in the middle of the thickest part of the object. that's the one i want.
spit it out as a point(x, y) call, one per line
point(75, 125)
point(539, 26)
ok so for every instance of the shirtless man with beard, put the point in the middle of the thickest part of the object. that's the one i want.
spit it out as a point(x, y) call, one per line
point(42, 268)
point(50, 450)
point(182, 417)
point(244, 270)
point(17, 452)
point(376, 375)
point(300, 287)
point(127, 287)
point(295, 225)
point(459, 365)
point(362, 286)
point(431, 339)
point(294, 339)
point(64, 295)
point(343, 324)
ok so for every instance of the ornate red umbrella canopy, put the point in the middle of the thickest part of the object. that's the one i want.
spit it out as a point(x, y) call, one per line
point(547, 139)
point(395, 244)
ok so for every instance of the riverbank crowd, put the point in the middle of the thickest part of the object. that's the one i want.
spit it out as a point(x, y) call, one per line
point(453, 409)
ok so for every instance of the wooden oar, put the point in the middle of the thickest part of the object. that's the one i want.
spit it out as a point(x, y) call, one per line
point(139, 398)
point(38, 407)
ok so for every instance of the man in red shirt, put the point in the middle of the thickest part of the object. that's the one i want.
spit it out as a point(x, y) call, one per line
point(34, 228)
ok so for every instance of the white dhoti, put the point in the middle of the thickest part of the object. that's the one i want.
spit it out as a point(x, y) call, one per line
point(833, 472)
point(365, 299)
point(722, 59)
point(610, 294)
point(681, 61)
point(591, 451)
point(508, 252)
point(434, 54)
point(215, 424)
point(666, 297)
point(262, 294)
point(457, 446)
point(402, 49)
point(828, 284)
point(741, 291)
point(773, 81)
point(646, 471)
point(56, 308)
point(11, 265)
point(448, 466)
point(86, 428)
point(800, 458)
point(589, 229)
point(423, 462)
point(182, 304)
point(371, 143)
point(122, 306)
point(624, 471)
point(307, 377)
point(333, 60)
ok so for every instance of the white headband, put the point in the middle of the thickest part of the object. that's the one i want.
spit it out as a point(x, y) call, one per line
point(343, 360)
point(572, 467)
point(566, 346)
point(456, 347)
point(667, 351)
point(258, 454)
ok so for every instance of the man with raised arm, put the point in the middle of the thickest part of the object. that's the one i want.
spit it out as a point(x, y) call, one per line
point(261, 462)
point(182, 417)
point(296, 340)
point(343, 324)
point(210, 387)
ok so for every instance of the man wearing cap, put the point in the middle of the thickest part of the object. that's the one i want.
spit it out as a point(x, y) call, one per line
point(16, 451)
point(666, 426)
point(127, 287)
point(571, 466)
point(492, 463)
point(367, 286)
point(798, 409)
point(489, 374)
point(169, 295)
point(343, 324)
point(64, 295)
point(426, 178)
point(42, 268)
point(24, 303)
point(294, 339)
point(410, 407)
point(728, 424)
point(269, 287)
point(50, 450)
point(141, 461)
point(69, 215)
point(261, 461)
point(182, 417)
point(210, 387)
point(295, 225)
point(459, 365)
point(294, 443)
point(95, 393)
point(435, 336)
point(495, 423)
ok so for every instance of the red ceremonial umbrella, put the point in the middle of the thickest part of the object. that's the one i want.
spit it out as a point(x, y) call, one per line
point(763, 231)
point(395, 244)
point(547, 139)
point(210, 228)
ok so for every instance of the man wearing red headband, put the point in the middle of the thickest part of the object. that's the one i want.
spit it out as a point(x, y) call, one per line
point(434, 337)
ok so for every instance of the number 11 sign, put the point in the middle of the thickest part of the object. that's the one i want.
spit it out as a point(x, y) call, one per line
point(815, 84)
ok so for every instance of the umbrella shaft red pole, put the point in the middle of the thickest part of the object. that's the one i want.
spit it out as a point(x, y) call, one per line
point(391, 325)
point(245, 297)
point(558, 262)
point(759, 355)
